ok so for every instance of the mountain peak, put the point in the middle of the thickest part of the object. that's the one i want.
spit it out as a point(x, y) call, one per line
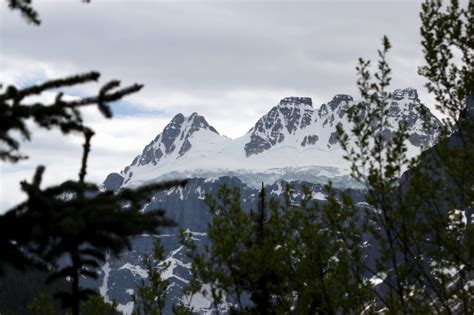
point(197, 122)
point(291, 114)
point(409, 93)
point(296, 101)
point(339, 99)
point(174, 140)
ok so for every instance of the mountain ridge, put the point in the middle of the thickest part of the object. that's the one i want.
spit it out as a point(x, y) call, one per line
point(292, 134)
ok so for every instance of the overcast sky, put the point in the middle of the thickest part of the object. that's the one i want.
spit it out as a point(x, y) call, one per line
point(230, 61)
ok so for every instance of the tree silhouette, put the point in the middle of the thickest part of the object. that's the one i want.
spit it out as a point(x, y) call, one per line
point(421, 216)
point(78, 221)
point(75, 219)
point(150, 298)
point(68, 228)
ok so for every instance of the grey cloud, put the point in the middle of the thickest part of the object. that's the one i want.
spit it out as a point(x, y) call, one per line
point(220, 46)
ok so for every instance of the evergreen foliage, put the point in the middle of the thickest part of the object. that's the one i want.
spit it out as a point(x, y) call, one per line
point(239, 261)
point(150, 298)
point(77, 221)
point(96, 305)
point(422, 222)
point(448, 46)
point(42, 305)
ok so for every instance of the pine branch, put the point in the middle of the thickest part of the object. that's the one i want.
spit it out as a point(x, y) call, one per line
point(26, 9)
point(13, 93)
point(62, 114)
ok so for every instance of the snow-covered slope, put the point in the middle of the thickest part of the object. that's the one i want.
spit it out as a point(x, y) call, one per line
point(293, 141)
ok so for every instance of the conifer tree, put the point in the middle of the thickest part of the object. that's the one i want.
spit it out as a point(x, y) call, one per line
point(65, 115)
point(75, 223)
point(237, 263)
point(150, 298)
point(42, 305)
point(424, 237)
point(96, 305)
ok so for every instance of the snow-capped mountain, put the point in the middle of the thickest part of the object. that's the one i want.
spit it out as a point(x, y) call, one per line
point(293, 141)
point(175, 141)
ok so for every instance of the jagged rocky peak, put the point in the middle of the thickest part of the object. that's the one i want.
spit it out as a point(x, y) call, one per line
point(296, 101)
point(199, 122)
point(291, 113)
point(406, 107)
point(174, 140)
point(296, 111)
point(340, 100)
point(409, 93)
point(339, 105)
